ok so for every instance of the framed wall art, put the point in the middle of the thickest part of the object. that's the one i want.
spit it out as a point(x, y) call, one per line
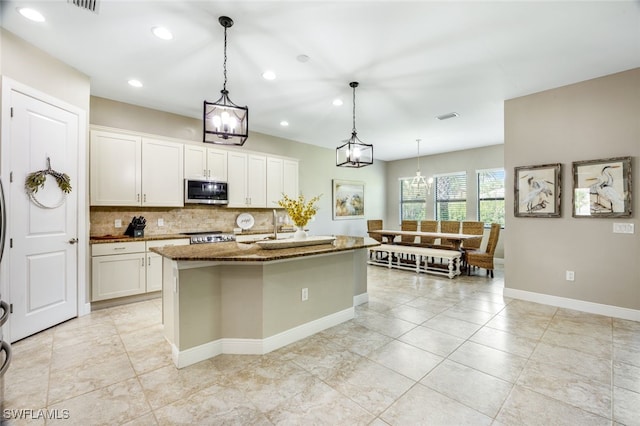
point(602, 188)
point(537, 190)
point(348, 199)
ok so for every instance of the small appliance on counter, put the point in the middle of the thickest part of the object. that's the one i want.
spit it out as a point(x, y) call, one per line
point(136, 227)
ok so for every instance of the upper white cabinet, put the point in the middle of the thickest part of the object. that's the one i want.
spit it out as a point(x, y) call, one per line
point(246, 175)
point(162, 173)
point(290, 177)
point(128, 170)
point(115, 169)
point(208, 163)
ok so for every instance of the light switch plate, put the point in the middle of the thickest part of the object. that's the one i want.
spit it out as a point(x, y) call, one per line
point(161, 222)
point(117, 223)
point(623, 228)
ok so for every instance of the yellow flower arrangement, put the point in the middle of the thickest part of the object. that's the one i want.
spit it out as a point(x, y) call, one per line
point(299, 210)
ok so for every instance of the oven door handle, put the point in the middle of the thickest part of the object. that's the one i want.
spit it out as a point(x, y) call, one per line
point(6, 348)
point(5, 312)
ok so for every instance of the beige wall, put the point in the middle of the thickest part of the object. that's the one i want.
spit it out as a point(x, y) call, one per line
point(29, 65)
point(472, 160)
point(317, 165)
point(595, 119)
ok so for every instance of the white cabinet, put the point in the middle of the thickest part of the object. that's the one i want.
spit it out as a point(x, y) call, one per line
point(127, 269)
point(201, 162)
point(259, 181)
point(246, 177)
point(154, 261)
point(115, 169)
point(117, 270)
point(290, 178)
point(282, 178)
point(162, 173)
point(129, 170)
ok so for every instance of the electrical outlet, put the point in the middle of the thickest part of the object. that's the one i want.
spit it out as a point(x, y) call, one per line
point(623, 228)
point(305, 294)
point(117, 223)
point(570, 275)
point(160, 222)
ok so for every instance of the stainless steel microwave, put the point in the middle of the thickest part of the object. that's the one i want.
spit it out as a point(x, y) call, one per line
point(205, 191)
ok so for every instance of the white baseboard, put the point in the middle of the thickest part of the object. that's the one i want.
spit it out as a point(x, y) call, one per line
point(257, 346)
point(578, 305)
point(360, 299)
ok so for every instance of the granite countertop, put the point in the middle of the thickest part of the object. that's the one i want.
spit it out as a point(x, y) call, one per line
point(243, 252)
point(127, 239)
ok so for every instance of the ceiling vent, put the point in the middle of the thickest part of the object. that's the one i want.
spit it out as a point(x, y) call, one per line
point(90, 5)
point(447, 116)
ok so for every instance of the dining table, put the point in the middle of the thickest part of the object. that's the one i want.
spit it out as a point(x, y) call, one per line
point(456, 239)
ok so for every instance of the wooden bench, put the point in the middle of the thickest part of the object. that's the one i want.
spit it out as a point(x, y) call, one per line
point(421, 263)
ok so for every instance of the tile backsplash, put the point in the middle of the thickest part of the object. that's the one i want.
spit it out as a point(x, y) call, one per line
point(179, 219)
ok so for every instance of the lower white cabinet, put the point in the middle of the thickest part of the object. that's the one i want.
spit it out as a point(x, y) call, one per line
point(126, 269)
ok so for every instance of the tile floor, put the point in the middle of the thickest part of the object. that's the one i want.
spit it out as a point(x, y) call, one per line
point(424, 350)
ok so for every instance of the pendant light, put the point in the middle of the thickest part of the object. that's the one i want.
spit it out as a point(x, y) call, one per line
point(418, 179)
point(354, 153)
point(224, 122)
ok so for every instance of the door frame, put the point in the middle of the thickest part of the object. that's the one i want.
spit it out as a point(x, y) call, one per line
point(9, 85)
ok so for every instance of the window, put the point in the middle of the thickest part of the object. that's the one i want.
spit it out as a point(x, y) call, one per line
point(412, 200)
point(451, 196)
point(491, 196)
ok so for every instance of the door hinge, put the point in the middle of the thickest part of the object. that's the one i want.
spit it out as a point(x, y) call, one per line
point(10, 308)
point(10, 176)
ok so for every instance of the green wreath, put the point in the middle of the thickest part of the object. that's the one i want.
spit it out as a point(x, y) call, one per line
point(37, 179)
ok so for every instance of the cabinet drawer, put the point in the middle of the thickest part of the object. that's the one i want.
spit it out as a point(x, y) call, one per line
point(163, 243)
point(117, 248)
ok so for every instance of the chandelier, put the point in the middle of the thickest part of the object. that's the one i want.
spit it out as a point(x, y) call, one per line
point(354, 153)
point(418, 179)
point(224, 122)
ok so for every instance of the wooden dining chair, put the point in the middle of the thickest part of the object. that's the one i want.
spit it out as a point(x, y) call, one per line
point(484, 259)
point(428, 226)
point(408, 225)
point(471, 228)
point(449, 227)
point(372, 226)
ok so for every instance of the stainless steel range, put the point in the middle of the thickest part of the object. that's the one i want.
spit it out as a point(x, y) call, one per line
point(209, 237)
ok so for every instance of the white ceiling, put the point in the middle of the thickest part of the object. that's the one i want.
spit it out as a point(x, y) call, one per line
point(414, 60)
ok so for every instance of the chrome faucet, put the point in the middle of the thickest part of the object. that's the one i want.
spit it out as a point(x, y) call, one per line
point(275, 224)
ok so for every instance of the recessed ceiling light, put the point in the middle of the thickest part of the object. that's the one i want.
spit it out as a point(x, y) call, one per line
point(31, 14)
point(135, 83)
point(447, 116)
point(337, 102)
point(269, 75)
point(302, 58)
point(162, 33)
point(284, 123)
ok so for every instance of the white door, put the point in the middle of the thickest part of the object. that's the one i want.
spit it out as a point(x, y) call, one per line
point(42, 250)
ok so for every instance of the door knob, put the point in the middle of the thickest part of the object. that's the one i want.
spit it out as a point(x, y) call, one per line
point(73, 241)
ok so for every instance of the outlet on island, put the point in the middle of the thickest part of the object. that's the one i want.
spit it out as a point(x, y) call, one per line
point(305, 294)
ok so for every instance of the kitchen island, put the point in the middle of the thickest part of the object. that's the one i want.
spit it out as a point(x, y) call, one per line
point(239, 298)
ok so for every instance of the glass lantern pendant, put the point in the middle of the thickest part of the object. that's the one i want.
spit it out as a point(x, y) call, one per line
point(354, 152)
point(224, 122)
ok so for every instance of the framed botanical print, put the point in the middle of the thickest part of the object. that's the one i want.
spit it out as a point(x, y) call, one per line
point(537, 190)
point(602, 188)
point(348, 199)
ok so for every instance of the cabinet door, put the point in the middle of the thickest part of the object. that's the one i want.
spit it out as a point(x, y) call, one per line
point(154, 272)
point(290, 178)
point(117, 276)
point(162, 173)
point(217, 164)
point(195, 162)
point(237, 179)
point(275, 181)
point(257, 181)
point(115, 169)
